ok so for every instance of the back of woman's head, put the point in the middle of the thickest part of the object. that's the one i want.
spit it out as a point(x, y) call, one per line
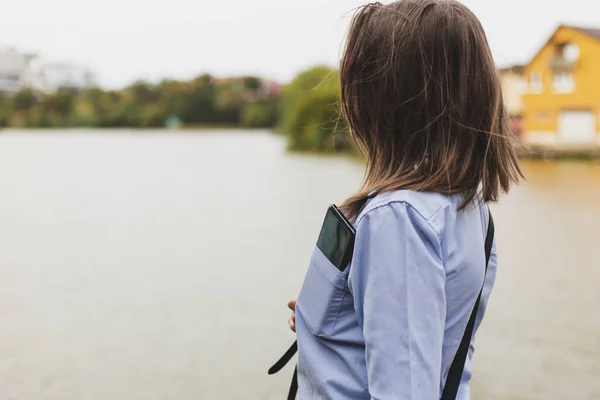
point(423, 101)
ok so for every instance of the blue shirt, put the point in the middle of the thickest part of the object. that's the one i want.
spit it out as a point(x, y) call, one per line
point(388, 327)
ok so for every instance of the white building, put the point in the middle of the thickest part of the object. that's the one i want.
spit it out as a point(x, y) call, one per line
point(19, 70)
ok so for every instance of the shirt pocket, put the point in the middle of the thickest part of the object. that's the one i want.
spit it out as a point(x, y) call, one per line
point(322, 295)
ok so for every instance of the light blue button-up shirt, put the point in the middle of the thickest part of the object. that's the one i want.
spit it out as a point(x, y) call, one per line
point(388, 327)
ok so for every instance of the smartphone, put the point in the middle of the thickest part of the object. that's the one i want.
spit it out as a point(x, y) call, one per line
point(336, 239)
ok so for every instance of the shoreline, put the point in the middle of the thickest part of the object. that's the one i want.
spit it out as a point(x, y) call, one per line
point(525, 151)
point(559, 151)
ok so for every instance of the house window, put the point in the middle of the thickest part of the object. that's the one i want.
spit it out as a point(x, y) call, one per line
point(564, 82)
point(536, 84)
point(570, 53)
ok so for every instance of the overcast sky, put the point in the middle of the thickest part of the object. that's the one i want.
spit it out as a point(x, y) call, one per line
point(123, 40)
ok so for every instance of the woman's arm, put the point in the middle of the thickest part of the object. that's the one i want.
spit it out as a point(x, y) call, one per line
point(398, 283)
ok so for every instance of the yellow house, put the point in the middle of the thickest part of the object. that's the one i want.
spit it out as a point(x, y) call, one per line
point(562, 103)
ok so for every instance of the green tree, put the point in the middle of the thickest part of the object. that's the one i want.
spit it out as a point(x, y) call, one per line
point(200, 101)
point(230, 103)
point(142, 93)
point(3, 110)
point(111, 109)
point(172, 97)
point(57, 107)
point(259, 115)
point(24, 101)
point(252, 83)
point(310, 112)
point(254, 116)
point(22, 108)
point(138, 106)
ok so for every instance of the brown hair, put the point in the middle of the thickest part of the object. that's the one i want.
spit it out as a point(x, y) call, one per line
point(423, 100)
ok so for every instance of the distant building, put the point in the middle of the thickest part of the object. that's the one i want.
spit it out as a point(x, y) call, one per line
point(514, 85)
point(562, 102)
point(19, 70)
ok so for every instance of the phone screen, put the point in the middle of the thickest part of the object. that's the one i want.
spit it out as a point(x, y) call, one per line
point(336, 239)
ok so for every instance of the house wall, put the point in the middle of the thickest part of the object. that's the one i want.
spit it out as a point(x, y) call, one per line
point(541, 110)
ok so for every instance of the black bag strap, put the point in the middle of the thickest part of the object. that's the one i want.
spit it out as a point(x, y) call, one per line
point(458, 364)
point(284, 359)
point(281, 363)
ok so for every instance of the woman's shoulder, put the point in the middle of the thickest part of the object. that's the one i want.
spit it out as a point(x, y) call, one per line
point(429, 207)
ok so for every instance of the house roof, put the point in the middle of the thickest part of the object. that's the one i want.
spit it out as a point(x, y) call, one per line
point(516, 69)
point(593, 32)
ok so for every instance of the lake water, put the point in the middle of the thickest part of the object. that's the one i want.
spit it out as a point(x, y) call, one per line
point(158, 266)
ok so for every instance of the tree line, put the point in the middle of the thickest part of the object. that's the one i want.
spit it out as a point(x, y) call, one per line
point(307, 110)
point(201, 101)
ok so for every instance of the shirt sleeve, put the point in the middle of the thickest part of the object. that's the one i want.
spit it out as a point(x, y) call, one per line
point(398, 283)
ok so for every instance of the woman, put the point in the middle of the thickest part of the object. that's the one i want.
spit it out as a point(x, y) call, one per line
point(423, 101)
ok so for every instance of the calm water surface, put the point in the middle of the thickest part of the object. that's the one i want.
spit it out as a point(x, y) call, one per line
point(158, 266)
